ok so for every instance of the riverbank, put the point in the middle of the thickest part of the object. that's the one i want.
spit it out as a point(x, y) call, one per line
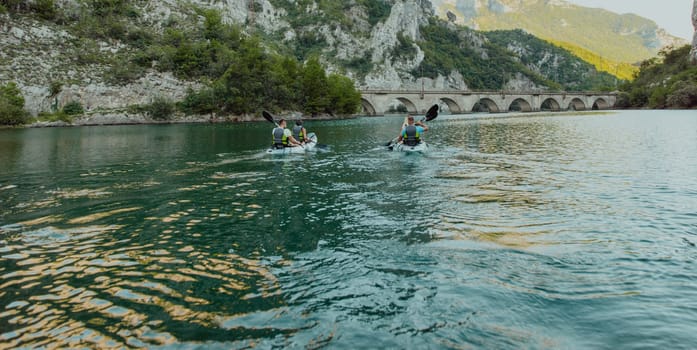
point(118, 118)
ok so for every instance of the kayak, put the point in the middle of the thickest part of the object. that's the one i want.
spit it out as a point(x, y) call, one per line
point(298, 149)
point(420, 148)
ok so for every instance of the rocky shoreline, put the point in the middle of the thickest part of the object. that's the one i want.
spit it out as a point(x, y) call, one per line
point(105, 119)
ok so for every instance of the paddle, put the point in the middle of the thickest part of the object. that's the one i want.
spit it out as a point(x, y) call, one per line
point(431, 114)
point(269, 117)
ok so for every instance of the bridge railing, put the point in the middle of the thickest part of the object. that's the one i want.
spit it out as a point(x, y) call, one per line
point(490, 92)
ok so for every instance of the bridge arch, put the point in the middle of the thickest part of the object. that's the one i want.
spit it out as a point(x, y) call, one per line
point(550, 104)
point(520, 105)
point(485, 104)
point(411, 107)
point(600, 103)
point(367, 107)
point(577, 105)
point(453, 107)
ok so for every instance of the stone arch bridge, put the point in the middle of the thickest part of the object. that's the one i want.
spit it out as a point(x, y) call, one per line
point(460, 102)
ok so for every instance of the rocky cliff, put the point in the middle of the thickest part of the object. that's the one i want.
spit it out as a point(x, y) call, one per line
point(379, 47)
point(53, 66)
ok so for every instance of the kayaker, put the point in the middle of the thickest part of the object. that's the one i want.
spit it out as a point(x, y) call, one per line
point(283, 137)
point(411, 134)
point(299, 132)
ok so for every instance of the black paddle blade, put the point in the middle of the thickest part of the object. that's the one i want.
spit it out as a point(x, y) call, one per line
point(432, 113)
point(268, 116)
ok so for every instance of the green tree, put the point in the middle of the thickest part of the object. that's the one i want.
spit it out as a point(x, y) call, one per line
point(314, 87)
point(685, 96)
point(658, 97)
point(344, 98)
point(213, 25)
point(11, 105)
point(284, 88)
point(245, 81)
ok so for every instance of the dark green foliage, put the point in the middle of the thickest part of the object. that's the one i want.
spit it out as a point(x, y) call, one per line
point(56, 87)
point(73, 108)
point(298, 15)
point(160, 108)
point(667, 81)
point(11, 105)
point(378, 10)
point(245, 78)
point(124, 73)
point(361, 65)
point(447, 50)
point(213, 25)
point(106, 8)
point(245, 81)
point(205, 101)
point(110, 19)
point(309, 43)
point(315, 87)
point(684, 95)
point(139, 38)
point(405, 47)
point(45, 9)
point(567, 70)
point(343, 95)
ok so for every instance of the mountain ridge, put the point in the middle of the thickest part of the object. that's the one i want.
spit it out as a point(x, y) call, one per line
point(625, 38)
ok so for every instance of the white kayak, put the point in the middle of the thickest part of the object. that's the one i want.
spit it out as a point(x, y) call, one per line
point(419, 148)
point(309, 146)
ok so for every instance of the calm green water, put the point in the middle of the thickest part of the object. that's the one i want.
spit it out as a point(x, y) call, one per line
point(561, 231)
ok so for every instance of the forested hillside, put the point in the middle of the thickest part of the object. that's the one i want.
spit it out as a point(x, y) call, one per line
point(610, 41)
point(667, 81)
point(554, 62)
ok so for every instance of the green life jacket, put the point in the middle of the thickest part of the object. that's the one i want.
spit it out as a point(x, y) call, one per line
point(297, 134)
point(280, 139)
point(411, 136)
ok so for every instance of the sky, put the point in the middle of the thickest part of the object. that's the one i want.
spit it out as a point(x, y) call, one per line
point(675, 16)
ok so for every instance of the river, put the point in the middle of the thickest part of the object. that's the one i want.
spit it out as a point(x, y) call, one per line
point(567, 230)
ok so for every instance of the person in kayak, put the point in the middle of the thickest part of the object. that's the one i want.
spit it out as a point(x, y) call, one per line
point(283, 137)
point(299, 132)
point(411, 134)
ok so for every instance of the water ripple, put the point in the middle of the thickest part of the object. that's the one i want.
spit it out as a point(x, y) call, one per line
point(538, 231)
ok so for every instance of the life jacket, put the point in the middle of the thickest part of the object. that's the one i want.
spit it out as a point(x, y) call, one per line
point(411, 136)
point(297, 133)
point(280, 139)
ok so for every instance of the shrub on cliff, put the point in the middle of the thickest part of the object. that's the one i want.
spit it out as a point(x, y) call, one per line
point(73, 108)
point(160, 108)
point(11, 105)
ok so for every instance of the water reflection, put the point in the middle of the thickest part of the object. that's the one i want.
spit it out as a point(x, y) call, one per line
point(568, 231)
